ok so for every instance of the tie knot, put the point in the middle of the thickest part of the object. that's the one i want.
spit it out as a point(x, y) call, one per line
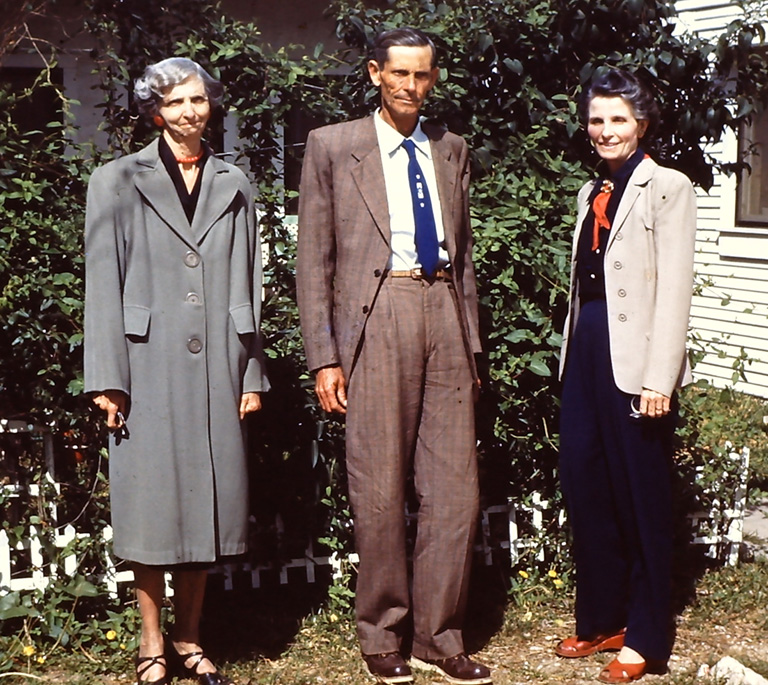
point(410, 147)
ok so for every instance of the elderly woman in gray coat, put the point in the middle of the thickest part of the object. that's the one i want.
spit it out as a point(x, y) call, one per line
point(172, 354)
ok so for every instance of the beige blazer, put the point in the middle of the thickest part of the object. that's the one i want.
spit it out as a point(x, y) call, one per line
point(344, 237)
point(648, 280)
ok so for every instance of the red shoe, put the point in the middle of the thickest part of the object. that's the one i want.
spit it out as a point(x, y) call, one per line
point(572, 647)
point(616, 672)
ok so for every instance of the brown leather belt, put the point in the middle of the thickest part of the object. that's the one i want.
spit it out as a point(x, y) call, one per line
point(419, 275)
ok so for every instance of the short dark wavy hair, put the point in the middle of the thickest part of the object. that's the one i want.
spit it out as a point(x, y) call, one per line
point(405, 37)
point(160, 77)
point(613, 82)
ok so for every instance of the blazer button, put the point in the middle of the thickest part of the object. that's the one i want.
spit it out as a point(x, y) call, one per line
point(617, 265)
point(365, 309)
point(194, 345)
point(377, 273)
point(622, 292)
point(193, 298)
point(619, 236)
point(622, 317)
point(191, 259)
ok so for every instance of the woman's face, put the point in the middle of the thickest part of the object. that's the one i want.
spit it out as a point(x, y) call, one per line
point(613, 129)
point(185, 109)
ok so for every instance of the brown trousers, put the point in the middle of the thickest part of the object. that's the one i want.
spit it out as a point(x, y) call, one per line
point(411, 406)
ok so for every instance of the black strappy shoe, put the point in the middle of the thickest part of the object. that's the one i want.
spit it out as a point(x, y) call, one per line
point(144, 663)
point(202, 678)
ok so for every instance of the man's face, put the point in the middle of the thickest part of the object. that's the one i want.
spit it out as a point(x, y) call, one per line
point(404, 81)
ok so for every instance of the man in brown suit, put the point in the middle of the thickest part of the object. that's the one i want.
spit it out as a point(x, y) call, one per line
point(388, 306)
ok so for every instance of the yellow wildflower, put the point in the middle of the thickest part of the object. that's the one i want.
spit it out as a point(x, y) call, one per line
point(552, 573)
point(41, 659)
point(28, 650)
point(523, 574)
point(557, 582)
point(111, 635)
point(122, 645)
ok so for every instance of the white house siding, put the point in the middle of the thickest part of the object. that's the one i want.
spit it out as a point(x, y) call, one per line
point(730, 311)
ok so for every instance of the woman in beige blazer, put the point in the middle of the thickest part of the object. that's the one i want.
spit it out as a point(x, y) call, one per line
point(172, 354)
point(622, 359)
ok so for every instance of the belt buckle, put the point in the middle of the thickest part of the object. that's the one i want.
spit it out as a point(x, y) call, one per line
point(417, 274)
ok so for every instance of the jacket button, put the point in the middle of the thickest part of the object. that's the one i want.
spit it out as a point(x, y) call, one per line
point(617, 265)
point(194, 345)
point(192, 298)
point(365, 309)
point(622, 317)
point(377, 273)
point(619, 236)
point(191, 259)
point(622, 292)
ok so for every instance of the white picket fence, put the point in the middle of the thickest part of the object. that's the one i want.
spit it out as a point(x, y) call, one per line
point(513, 527)
point(705, 526)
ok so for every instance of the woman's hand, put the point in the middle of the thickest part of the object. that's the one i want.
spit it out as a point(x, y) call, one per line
point(250, 401)
point(653, 404)
point(112, 401)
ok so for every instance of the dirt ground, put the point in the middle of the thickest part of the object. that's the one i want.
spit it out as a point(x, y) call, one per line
point(276, 636)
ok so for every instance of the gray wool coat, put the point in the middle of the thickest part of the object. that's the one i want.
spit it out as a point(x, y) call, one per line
point(172, 319)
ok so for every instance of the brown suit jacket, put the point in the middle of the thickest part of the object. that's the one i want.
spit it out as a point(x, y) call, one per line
point(344, 237)
point(648, 279)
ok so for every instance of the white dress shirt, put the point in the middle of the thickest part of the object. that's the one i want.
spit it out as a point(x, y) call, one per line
point(394, 159)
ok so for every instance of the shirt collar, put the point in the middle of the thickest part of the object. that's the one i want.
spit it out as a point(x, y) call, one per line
point(390, 139)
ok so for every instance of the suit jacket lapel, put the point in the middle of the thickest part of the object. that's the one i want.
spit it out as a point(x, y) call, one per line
point(217, 190)
point(446, 175)
point(368, 174)
point(155, 185)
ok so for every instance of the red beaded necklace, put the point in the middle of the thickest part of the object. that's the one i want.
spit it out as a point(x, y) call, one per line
point(190, 160)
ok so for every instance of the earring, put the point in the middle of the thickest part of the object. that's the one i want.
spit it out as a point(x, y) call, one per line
point(159, 121)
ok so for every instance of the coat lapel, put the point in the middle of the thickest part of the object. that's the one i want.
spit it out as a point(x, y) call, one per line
point(155, 185)
point(581, 215)
point(218, 188)
point(637, 183)
point(368, 174)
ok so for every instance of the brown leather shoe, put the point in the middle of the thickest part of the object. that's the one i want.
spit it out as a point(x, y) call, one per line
point(459, 669)
point(388, 668)
point(572, 647)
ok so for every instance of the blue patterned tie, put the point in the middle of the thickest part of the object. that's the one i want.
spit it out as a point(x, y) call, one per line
point(424, 219)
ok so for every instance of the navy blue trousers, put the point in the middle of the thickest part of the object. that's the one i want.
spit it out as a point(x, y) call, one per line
point(615, 475)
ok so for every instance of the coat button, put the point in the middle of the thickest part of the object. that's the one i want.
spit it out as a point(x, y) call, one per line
point(377, 273)
point(191, 259)
point(617, 265)
point(192, 298)
point(622, 292)
point(194, 345)
point(365, 309)
point(622, 317)
point(619, 236)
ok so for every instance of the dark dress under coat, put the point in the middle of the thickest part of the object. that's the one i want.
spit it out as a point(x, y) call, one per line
point(172, 319)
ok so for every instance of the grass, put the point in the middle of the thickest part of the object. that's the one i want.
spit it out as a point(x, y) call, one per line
point(281, 636)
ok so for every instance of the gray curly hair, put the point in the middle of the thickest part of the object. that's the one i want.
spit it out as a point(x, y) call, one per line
point(160, 77)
